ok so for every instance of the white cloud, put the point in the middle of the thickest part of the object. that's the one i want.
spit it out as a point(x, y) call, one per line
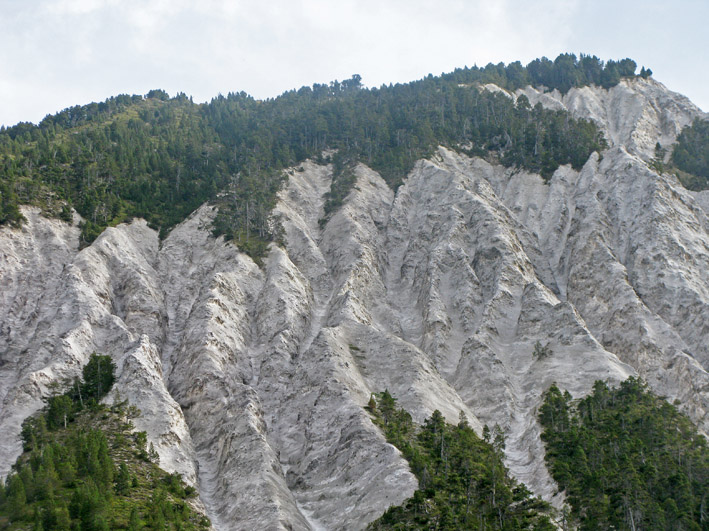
point(74, 7)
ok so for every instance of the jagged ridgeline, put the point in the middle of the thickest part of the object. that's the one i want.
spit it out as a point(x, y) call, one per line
point(627, 459)
point(159, 158)
point(84, 467)
point(463, 483)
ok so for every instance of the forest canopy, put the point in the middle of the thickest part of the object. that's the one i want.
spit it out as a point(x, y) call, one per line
point(159, 158)
point(463, 483)
point(626, 458)
point(85, 467)
point(691, 155)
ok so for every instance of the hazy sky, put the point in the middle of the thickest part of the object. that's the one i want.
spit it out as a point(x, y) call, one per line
point(59, 53)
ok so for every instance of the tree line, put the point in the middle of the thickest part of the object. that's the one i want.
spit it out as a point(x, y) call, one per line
point(463, 483)
point(690, 156)
point(626, 459)
point(84, 468)
point(159, 158)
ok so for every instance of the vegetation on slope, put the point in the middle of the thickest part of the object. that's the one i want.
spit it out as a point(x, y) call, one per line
point(463, 483)
point(626, 459)
point(126, 157)
point(690, 155)
point(159, 158)
point(565, 72)
point(84, 468)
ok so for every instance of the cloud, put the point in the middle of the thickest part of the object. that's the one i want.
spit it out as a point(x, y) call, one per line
point(73, 7)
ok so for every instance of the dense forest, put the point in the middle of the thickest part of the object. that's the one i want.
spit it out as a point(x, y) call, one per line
point(159, 158)
point(626, 459)
point(463, 483)
point(691, 155)
point(565, 72)
point(85, 468)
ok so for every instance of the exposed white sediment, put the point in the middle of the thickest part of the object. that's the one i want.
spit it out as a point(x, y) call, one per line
point(252, 381)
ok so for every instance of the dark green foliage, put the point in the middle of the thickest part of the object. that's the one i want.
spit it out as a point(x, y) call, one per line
point(565, 72)
point(691, 155)
point(541, 351)
point(657, 163)
point(244, 209)
point(159, 158)
point(627, 459)
point(34, 432)
point(60, 411)
point(67, 479)
point(343, 179)
point(123, 479)
point(463, 483)
point(9, 204)
point(15, 503)
point(126, 157)
point(158, 94)
point(98, 377)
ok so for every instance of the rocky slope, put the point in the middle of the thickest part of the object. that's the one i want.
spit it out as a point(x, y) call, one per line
point(252, 381)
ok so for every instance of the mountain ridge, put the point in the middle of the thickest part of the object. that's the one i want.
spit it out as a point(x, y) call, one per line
point(437, 291)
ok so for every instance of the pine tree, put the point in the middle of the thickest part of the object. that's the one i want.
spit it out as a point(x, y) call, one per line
point(59, 412)
point(16, 497)
point(98, 377)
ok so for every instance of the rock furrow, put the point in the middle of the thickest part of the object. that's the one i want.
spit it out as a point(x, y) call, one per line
point(253, 381)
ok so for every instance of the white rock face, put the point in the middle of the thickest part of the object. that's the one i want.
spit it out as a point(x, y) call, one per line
point(635, 114)
point(252, 381)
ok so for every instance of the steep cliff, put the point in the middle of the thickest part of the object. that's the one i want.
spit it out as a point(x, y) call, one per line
point(252, 381)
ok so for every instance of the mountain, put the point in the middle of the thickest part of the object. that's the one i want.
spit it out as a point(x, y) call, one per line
point(252, 376)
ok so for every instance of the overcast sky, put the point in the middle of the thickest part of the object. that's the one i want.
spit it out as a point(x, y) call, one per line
point(59, 53)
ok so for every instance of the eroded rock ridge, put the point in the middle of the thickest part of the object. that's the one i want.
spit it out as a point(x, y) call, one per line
point(252, 381)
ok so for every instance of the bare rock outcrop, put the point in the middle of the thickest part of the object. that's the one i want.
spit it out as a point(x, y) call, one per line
point(252, 381)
